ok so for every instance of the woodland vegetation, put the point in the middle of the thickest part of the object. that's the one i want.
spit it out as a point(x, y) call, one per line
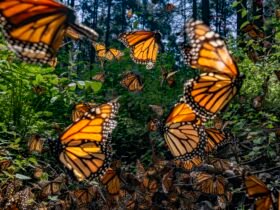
point(37, 102)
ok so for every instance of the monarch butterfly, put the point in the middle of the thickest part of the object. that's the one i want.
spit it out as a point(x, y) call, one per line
point(84, 196)
point(35, 144)
point(220, 164)
point(80, 109)
point(184, 136)
point(152, 125)
point(83, 148)
point(4, 164)
point(253, 31)
point(35, 29)
point(216, 138)
point(129, 13)
point(210, 92)
point(255, 188)
point(167, 181)
point(209, 183)
point(108, 54)
point(128, 200)
point(112, 181)
point(144, 46)
point(39, 90)
point(149, 184)
point(52, 187)
point(168, 77)
point(169, 7)
point(132, 82)
point(92, 110)
point(100, 77)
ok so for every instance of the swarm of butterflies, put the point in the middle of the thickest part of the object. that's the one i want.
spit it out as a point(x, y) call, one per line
point(35, 30)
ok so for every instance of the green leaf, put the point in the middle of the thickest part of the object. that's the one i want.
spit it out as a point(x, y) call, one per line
point(257, 17)
point(93, 85)
point(244, 13)
point(235, 4)
point(244, 24)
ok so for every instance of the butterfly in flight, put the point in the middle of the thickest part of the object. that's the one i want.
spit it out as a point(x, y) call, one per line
point(34, 29)
point(100, 77)
point(108, 54)
point(132, 82)
point(183, 134)
point(143, 45)
point(210, 92)
point(84, 147)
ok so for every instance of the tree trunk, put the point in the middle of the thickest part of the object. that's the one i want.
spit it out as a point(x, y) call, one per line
point(94, 14)
point(183, 6)
point(72, 3)
point(240, 21)
point(123, 14)
point(194, 9)
point(217, 19)
point(205, 11)
point(223, 22)
point(108, 23)
point(145, 3)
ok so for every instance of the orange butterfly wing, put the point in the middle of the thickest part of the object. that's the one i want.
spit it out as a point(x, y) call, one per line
point(184, 138)
point(207, 50)
point(80, 110)
point(35, 29)
point(209, 183)
point(112, 181)
point(210, 92)
point(216, 138)
point(83, 147)
point(190, 164)
point(144, 46)
point(255, 188)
